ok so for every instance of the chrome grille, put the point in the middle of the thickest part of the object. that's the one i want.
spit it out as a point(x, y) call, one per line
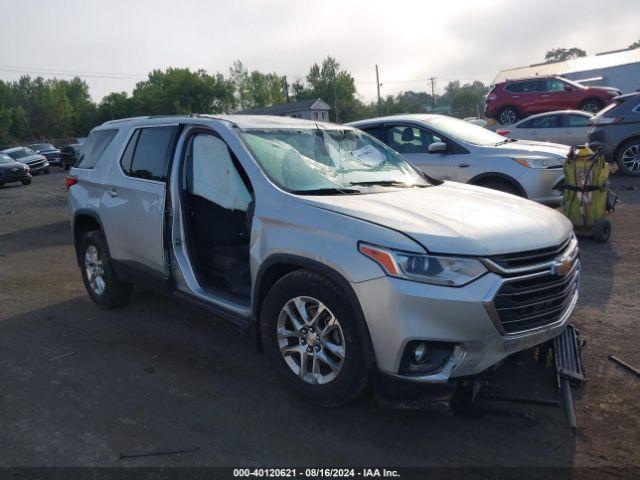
point(530, 258)
point(534, 293)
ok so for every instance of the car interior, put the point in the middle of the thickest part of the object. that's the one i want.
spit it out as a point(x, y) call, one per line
point(218, 212)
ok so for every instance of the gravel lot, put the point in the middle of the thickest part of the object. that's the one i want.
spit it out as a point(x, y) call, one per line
point(81, 385)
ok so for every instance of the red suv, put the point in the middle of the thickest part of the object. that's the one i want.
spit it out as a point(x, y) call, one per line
point(509, 101)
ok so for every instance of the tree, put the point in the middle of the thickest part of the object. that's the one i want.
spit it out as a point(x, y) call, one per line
point(562, 54)
point(179, 91)
point(115, 105)
point(635, 44)
point(334, 86)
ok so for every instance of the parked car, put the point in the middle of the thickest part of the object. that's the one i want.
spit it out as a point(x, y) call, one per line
point(451, 149)
point(338, 256)
point(69, 154)
point(51, 153)
point(12, 171)
point(36, 162)
point(512, 100)
point(568, 127)
point(616, 130)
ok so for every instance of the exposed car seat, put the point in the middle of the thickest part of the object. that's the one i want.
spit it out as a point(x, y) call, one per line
point(218, 204)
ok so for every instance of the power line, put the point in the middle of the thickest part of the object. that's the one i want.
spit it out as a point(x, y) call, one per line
point(72, 73)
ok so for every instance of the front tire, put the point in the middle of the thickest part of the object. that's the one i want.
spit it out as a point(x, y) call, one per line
point(97, 273)
point(628, 157)
point(310, 336)
point(26, 182)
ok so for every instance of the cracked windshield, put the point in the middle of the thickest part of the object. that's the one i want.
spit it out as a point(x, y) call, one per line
point(329, 162)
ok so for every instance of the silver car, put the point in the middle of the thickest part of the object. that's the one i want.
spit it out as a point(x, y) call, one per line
point(567, 127)
point(451, 149)
point(335, 254)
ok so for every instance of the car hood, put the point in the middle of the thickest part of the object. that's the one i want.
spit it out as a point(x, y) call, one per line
point(456, 218)
point(45, 152)
point(32, 158)
point(12, 165)
point(604, 89)
point(531, 147)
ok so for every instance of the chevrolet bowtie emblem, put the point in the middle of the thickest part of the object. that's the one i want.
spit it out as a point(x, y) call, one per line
point(560, 266)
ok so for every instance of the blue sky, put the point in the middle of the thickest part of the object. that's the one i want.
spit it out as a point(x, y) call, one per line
point(117, 42)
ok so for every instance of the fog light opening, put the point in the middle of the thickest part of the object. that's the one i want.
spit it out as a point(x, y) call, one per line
point(421, 357)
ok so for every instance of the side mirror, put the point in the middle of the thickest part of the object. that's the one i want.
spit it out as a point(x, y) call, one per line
point(567, 88)
point(437, 147)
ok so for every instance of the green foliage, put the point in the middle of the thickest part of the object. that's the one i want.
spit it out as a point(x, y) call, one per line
point(179, 91)
point(256, 89)
point(34, 108)
point(335, 86)
point(562, 54)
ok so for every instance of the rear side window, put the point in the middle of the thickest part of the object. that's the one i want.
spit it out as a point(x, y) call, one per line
point(148, 152)
point(523, 87)
point(577, 121)
point(95, 147)
point(548, 121)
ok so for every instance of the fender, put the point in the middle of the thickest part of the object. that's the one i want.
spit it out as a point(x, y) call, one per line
point(500, 176)
point(278, 265)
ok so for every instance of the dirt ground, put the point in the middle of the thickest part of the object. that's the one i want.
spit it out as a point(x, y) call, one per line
point(80, 385)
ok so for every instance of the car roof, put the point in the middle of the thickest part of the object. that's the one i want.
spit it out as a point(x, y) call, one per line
point(405, 117)
point(241, 121)
point(554, 112)
point(528, 79)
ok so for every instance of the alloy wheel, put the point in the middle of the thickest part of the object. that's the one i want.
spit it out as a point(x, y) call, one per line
point(592, 107)
point(94, 269)
point(631, 158)
point(311, 340)
point(508, 117)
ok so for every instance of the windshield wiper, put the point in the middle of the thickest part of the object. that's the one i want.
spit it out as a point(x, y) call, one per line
point(506, 140)
point(388, 183)
point(327, 191)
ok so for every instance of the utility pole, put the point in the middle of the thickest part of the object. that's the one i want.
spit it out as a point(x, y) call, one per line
point(433, 93)
point(378, 87)
point(335, 95)
point(286, 89)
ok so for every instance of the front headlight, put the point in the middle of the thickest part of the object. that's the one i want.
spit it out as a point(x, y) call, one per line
point(539, 162)
point(434, 269)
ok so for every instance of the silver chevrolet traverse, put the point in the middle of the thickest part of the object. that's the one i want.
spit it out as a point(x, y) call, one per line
point(339, 257)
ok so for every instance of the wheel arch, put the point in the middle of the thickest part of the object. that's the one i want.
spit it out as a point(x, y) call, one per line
point(277, 266)
point(510, 105)
point(85, 221)
point(616, 151)
point(483, 177)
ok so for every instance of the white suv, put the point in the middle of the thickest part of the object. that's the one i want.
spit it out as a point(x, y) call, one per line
point(334, 253)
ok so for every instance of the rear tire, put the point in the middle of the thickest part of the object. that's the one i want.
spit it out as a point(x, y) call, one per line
point(326, 369)
point(508, 116)
point(602, 231)
point(501, 186)
point(97, 273)
point(628, 157)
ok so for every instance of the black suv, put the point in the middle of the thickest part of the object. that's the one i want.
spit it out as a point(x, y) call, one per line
point(69, 155)
point(51, 153)
point(616, 130)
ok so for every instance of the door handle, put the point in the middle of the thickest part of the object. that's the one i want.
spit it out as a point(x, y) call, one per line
point(545, 96)
point(464, 165)
point(111, 191)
